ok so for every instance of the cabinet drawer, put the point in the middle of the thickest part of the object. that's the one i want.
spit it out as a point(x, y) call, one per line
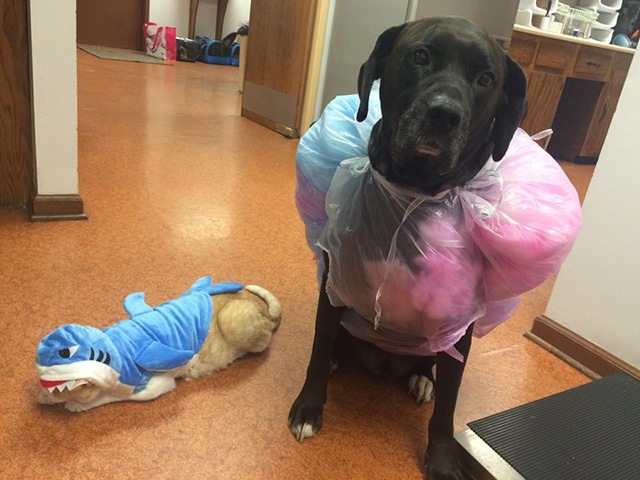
point(523, 51)
point(555, 55)
point(593, 64)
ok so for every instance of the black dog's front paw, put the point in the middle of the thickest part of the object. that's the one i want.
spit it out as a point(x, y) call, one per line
point(305, 417)
point(442, 463)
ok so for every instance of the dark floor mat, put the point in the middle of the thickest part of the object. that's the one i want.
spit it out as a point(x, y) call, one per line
point(109, 53)
point(591, 432)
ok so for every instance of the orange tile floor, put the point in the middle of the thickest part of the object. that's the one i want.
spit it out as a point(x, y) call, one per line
point(178, 185)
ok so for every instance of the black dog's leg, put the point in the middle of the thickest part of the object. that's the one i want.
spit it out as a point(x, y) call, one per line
point(305, 417)
point(442, 462)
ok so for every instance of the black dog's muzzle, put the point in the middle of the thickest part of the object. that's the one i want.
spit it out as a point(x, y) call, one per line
point(433, 131)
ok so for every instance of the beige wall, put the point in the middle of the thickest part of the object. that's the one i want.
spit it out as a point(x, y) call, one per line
point(597, 293)
point(54, 81)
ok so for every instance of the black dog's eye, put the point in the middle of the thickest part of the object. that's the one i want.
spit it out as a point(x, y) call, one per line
point(486, 79)
point(421, 57)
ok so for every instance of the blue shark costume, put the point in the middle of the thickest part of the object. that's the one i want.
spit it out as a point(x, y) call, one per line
point(131, 351)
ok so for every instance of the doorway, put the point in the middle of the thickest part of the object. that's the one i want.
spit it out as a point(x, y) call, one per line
point(117, 23)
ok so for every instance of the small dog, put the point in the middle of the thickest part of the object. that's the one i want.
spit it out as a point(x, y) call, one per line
point(451, 98)
point(242, 322)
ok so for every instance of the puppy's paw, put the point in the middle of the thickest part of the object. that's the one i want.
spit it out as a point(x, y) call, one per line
point(76, 406)
point(421, 388)
point(44, 398)
point(305, 418)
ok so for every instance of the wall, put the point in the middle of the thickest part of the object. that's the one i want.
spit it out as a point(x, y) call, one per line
point(171, 12)
point(54, 82)
point(237, 14)
point(597, 293)
point(176, 13)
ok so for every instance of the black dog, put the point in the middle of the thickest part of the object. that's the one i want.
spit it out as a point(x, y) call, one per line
point(450, 97)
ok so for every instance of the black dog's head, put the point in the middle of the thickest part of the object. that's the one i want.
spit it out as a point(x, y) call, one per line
point(450, 97)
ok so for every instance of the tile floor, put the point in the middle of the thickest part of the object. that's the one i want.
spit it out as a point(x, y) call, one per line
point(178, 185)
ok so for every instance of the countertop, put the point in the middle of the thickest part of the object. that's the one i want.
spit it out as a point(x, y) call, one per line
point(568, 38)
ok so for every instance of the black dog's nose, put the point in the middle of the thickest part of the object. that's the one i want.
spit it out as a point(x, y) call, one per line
point(444, 115)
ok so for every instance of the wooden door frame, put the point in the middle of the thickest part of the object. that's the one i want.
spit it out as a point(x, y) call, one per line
point(16, 150)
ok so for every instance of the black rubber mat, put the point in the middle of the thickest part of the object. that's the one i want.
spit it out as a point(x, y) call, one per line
point(591, 432)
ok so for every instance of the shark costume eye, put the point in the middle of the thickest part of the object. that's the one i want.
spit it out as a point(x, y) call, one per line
point(68, 352)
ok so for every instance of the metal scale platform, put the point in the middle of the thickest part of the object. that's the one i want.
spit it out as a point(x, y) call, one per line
point(591, 432)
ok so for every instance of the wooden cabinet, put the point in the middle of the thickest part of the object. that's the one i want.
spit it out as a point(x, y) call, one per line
point(573, 88)
point(593, 64)
point(543, 97)
point(555, 55)
point(523, 50)
point(607, 102)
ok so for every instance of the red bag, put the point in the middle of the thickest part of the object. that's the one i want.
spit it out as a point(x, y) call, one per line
point(160, 41)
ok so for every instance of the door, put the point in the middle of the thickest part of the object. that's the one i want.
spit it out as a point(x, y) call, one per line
point(279, 44)
point(113, 23)
point(16, 121)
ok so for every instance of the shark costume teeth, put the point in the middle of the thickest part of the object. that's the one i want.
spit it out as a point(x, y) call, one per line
point(60, 386)
point(87, 371)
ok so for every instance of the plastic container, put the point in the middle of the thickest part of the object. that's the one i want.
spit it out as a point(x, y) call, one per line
point(606, 19)
point(602, 5)
point(524, 18)
point(538, 7)
point(541, 21)
point(602, 34)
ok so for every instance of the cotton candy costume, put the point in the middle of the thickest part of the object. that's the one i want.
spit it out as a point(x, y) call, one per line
point(415, 270)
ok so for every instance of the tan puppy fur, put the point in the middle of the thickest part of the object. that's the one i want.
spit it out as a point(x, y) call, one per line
point(242, 323)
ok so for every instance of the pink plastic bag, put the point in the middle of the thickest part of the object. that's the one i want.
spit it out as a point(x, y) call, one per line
point(526, 233)
point(418, 270)
point(160, 42)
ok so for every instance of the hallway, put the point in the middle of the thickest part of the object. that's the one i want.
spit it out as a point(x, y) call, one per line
point(178, 185)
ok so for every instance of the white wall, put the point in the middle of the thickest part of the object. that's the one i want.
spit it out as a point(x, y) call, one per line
point(597, 293)
point(237, 14)
point(172, 13)
point(176, 13)
point(54, 79)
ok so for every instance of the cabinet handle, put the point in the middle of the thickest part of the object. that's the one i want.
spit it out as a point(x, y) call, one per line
point(604, 113)
point(591, 63)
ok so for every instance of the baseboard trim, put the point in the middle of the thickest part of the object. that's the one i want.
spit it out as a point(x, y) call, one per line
point(47, 208)
point(271, 124)
point(577, 351)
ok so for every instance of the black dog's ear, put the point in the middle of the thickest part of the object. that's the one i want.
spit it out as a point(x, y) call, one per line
point(371, 70)
point(510, 113)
